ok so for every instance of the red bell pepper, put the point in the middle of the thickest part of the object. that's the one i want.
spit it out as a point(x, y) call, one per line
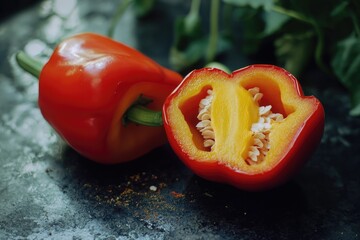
point(87, 88)
point(252, 129)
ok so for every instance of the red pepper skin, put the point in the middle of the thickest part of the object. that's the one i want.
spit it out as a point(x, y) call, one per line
point(86, 87)
point(299, 149)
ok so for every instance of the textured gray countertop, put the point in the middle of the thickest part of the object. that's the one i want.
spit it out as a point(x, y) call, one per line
point(48, 191)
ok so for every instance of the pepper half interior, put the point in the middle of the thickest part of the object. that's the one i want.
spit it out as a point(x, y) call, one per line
point(260, 130)
point(247, 121)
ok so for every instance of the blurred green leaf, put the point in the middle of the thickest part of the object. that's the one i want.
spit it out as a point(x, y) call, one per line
point(188, 46)
point(294, 51)
point(252, 27)
point(183, 58)
point(295, 32)
point(192, 25)
point(195, 52)
point(346, 65)
point(266, 4)
point(273, 22)
point(191, 45)
point(339, 9)
point(143, 7)
point(188, 28)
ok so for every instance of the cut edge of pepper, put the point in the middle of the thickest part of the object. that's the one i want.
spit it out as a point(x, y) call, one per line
point(287, 108)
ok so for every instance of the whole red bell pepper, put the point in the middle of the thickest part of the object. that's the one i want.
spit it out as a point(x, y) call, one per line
point(252, 129)
point(87, 88)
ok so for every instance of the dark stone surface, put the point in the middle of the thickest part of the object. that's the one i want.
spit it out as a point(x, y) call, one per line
point(48, 191)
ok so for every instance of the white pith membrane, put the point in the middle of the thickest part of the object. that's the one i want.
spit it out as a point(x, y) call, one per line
point(260, 130)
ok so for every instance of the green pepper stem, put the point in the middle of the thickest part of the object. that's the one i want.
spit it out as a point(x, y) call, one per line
point(144, 116)
point(137, 113)
point(29, 64)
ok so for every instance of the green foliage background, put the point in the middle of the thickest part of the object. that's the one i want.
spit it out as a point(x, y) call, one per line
point(300, 32)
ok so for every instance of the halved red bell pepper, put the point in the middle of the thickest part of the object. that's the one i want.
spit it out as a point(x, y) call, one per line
point(86, 89)
point(252, 129)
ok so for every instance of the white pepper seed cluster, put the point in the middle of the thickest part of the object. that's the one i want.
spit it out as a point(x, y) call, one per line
point(261, 129)
point(204, 116)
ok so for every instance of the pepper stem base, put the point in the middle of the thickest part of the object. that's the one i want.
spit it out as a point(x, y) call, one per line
point(141, 115)
point(29, 64)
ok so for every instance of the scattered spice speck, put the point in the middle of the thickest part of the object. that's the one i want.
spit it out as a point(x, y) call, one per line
point(208, 195)
point(141, 192)
point(177, 195)
point(153, 188)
